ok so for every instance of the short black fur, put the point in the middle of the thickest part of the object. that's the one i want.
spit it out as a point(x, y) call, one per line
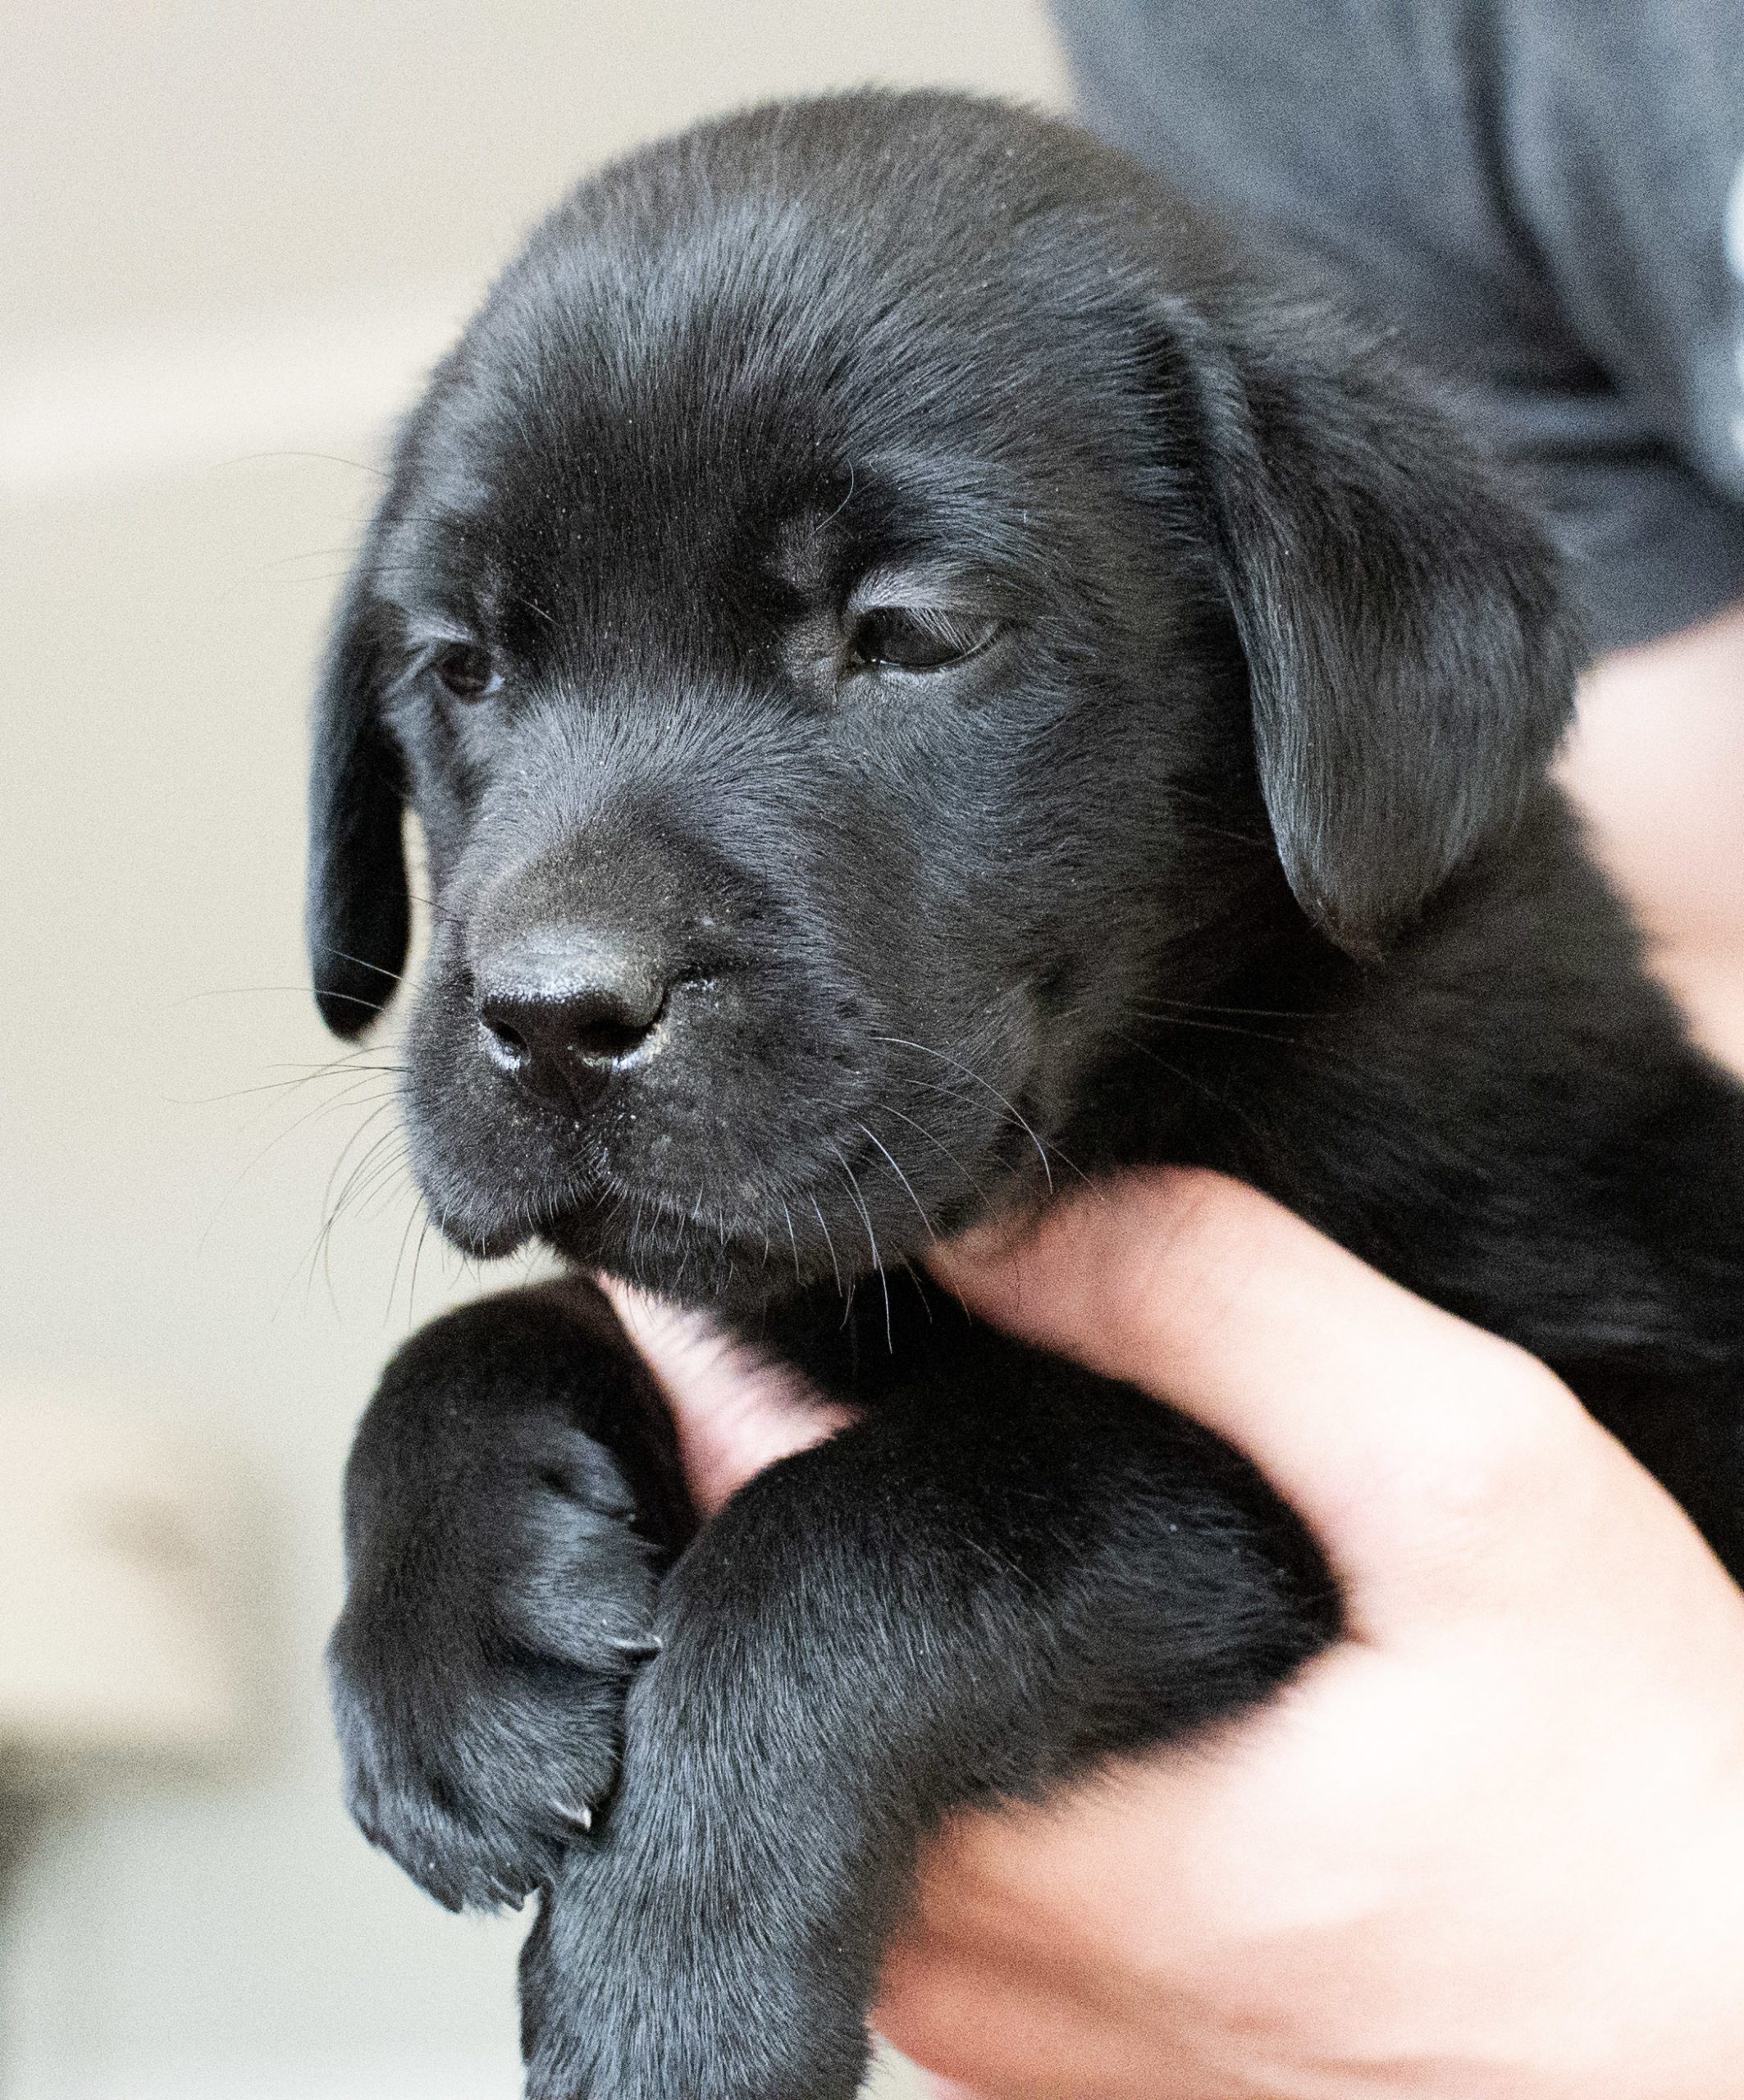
point(922, 677)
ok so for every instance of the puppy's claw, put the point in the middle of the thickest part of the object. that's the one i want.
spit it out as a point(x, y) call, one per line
point(579, 1818)
point(636, 1647)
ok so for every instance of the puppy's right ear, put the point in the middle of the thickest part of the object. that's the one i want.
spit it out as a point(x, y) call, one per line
point(1411, 662)
point(359, 916)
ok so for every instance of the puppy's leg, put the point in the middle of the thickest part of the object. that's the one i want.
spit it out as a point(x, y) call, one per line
point(513, 1497)
point(944, 1606)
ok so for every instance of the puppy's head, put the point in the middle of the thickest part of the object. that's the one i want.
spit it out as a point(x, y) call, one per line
point(870, 598)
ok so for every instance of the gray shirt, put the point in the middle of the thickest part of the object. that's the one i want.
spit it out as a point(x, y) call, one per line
point(1547, 196)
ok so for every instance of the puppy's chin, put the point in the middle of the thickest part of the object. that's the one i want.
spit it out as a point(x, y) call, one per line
point(684, 1262)
point(687, 1257)
point(739, 1265)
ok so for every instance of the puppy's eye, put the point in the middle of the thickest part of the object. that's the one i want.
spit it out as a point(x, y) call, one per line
point(465, 670)
point(917, 638)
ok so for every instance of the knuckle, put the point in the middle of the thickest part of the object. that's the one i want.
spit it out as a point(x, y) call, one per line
point(1501, 1453)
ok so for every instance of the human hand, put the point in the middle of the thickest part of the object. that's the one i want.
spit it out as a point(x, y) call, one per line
point(1492, 1844)
point(1656, 765)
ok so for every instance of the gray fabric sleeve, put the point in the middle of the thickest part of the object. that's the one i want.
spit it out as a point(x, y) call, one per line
point(1538, 192)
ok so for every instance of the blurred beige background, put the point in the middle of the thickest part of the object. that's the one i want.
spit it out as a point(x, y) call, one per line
point(234, 235)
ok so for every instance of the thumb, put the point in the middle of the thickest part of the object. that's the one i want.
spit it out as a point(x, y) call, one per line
point(1405, 1439)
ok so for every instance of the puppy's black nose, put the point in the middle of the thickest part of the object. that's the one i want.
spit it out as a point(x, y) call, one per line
point(562, 1017)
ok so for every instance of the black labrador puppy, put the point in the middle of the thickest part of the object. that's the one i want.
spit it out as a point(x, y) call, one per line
point(921, 674)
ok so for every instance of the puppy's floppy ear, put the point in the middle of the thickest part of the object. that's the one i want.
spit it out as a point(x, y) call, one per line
point(1411, 663)
point(358, 910)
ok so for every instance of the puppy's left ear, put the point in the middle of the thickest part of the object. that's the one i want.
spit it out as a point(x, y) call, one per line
point(1411, 661)
point(359, 914)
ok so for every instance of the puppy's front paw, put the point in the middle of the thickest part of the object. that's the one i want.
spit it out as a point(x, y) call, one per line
point(500, 1597)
